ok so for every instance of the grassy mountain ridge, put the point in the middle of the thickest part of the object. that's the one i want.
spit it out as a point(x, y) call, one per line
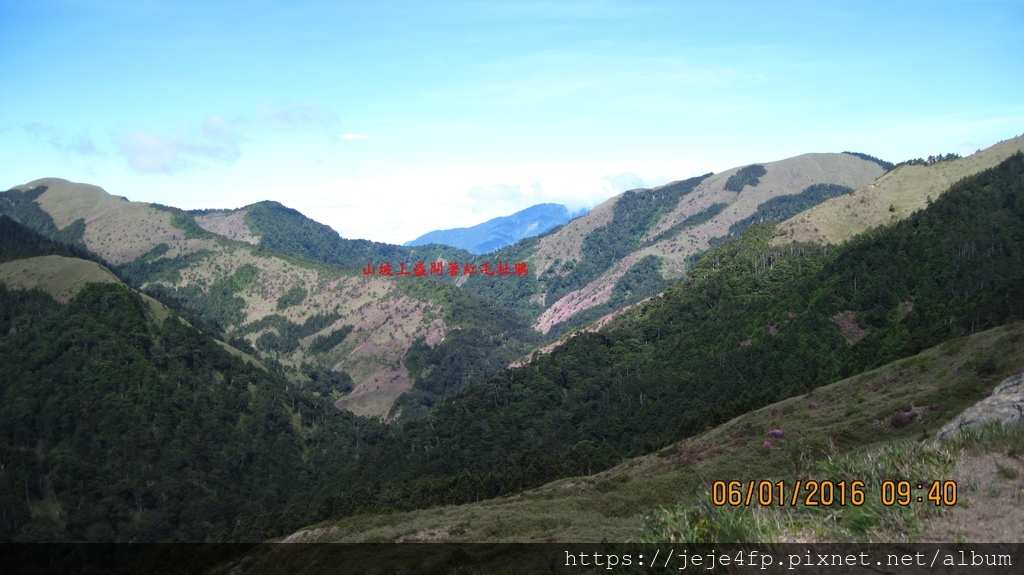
point(60, 276)
point(905, 192)
point(894, 196)
point(114, 228)
point(582, 266)
point(30, 261)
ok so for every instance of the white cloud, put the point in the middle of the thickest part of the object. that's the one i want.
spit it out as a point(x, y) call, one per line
point(625, 181)
point(219, 139)
point(495, 193)
point(294, 114)
point(64, 142)
point(356, 137)
point(150, 153)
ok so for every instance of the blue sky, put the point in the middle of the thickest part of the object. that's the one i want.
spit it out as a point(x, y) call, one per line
point(386, 120)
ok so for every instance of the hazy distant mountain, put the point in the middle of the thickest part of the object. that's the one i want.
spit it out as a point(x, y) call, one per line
point(500, 232)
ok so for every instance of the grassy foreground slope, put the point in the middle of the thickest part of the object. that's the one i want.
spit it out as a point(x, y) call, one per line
point(30, 261)
point(851, 422)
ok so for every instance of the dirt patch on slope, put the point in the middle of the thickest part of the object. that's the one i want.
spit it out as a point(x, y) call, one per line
point(375, 396)
point(846, 320)
point(228, 224)
point(990, 502)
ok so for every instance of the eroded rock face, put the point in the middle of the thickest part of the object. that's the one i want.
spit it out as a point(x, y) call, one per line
point(1005, 405)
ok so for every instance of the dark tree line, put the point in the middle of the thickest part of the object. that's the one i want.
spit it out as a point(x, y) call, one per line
point(748, 176)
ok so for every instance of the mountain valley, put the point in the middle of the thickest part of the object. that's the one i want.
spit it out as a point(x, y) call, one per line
point(691, 319)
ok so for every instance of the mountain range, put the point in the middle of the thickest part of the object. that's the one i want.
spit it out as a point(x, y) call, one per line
point(131, 333)
point(305, 281)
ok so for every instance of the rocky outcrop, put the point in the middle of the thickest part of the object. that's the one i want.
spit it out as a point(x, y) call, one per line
point(1005, 406)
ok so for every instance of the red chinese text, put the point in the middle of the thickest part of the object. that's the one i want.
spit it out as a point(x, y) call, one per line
point(419, 269)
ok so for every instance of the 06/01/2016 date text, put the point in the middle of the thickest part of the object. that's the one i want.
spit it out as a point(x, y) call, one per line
point(826, 493)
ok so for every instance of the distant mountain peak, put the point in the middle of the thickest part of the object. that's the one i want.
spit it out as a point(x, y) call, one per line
point(499, 232)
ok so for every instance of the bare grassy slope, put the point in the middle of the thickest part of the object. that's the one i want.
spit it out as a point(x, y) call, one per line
point(906, 188)
point(115, 228)
point(785, 177)
point(59, 276)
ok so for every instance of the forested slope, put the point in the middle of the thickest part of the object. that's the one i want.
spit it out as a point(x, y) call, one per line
point(750, 325)
point(121, 424)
